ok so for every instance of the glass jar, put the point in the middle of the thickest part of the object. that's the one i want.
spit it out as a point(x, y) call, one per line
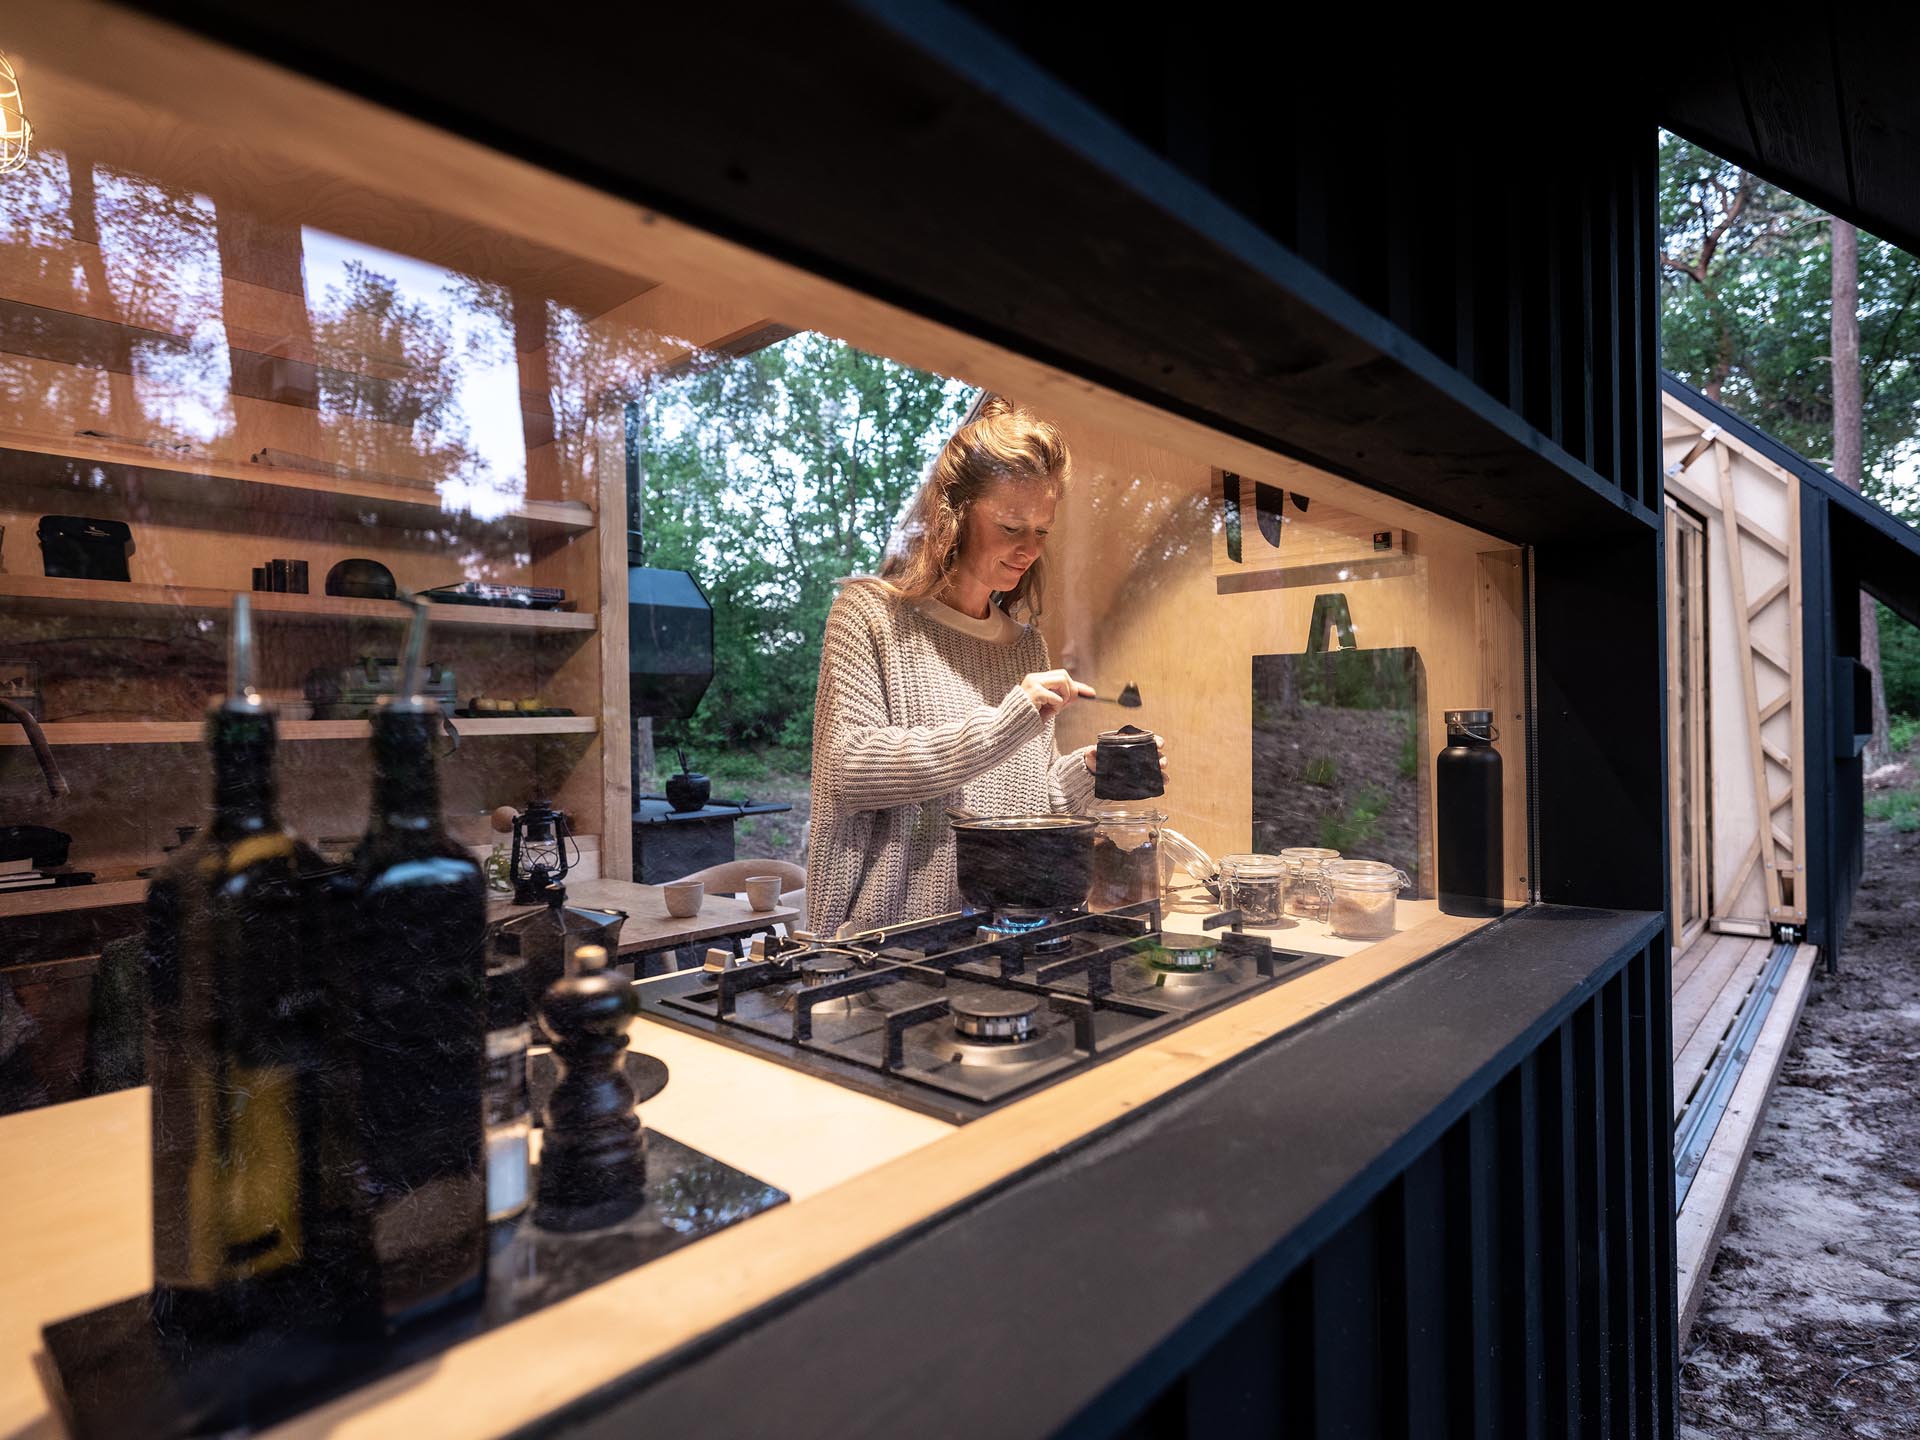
point(1126, 856)
point(1306, 884)
point(1252, 885)
point(1361, 898)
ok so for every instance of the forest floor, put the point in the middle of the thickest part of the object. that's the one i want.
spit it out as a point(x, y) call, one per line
point(1810, 1324)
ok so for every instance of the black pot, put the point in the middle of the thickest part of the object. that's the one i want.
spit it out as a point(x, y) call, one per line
point(688, 790)
point(1024, 864)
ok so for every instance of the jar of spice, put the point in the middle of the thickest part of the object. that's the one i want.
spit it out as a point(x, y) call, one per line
point(1361, 898)
point(1306, 886)
point(1252, 885)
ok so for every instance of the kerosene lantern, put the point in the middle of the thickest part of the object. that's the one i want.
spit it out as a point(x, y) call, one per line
point(539, 855)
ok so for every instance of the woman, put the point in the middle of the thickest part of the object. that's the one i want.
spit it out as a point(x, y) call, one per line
point(932, 694)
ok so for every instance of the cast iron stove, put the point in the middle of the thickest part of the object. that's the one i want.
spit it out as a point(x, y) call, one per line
point(957, 1015)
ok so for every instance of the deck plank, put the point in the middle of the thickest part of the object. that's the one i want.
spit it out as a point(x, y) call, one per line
point(1702, 1220)
point(1694, 996)
point(1711, 1031)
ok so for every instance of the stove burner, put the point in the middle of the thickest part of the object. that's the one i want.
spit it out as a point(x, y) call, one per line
point(1058, 945)
point(825, 968)
point(1184, 953)
point(1017, 924)
point(998, 1016)
point(1186, 962)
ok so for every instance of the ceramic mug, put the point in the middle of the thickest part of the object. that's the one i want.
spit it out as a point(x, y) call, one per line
point(683, 898)
point(763, 891)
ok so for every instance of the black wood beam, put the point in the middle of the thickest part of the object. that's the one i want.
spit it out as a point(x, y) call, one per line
point(908, 152)
point(1205, 1204)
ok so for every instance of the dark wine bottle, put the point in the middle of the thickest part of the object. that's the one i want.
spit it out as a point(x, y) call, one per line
point(419, 967)
point(254, 1220)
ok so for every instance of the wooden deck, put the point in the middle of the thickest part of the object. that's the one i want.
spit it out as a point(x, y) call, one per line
point(1734, 1011)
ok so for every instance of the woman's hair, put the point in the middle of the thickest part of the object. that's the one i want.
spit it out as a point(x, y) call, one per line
point(996, 441)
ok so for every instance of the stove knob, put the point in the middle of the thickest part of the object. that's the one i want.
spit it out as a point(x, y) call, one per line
point(721, 958)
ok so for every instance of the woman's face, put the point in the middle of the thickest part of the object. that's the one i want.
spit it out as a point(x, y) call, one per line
point(1004, 532)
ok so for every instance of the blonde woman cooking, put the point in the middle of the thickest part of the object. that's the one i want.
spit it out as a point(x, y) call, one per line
point(936, 690)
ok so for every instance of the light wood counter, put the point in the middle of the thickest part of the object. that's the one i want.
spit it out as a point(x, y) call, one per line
point(74, 1221)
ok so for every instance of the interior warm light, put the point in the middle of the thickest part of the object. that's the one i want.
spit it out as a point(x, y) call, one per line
point(16, 134)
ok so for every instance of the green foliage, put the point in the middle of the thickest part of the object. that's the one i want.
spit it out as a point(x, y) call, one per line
point(770, 477)
point(1900, 664)
point(1408, 763)
point(1348, 832)
point(1901, 808)
point(1746, 316)
point(1384, 684)
point(1322, 770)
point(1902, 732)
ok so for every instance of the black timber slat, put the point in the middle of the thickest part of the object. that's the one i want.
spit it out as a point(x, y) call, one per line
point(1296, 1134)
point(1523, 1336)
point(1119, 268)
point(1421, 1395)
point(1560, 1137)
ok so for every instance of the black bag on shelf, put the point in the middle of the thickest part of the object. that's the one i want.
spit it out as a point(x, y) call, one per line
point(78, 547)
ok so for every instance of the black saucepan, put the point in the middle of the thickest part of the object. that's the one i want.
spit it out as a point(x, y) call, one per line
point(1023, 863)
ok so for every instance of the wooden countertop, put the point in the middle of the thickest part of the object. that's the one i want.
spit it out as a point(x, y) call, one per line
point(648, 926)
point(74, 1225)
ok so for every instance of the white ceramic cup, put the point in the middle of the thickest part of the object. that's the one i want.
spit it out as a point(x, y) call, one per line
point(763, 891)
point(683, 898)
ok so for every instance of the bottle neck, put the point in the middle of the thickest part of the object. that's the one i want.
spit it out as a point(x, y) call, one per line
point(406, 785)
point(242, 741)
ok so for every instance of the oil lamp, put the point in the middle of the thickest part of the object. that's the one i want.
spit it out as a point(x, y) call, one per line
point(539, 855)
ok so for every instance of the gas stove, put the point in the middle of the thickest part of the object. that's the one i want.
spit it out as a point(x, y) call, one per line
point(957, 1015)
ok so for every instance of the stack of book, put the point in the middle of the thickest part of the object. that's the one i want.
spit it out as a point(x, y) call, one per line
point(23, 875)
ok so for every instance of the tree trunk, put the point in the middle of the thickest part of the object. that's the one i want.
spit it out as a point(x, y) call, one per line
point(1846, 449)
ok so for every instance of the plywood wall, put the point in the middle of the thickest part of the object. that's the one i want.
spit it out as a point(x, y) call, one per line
point(1133, 599)
point(1755, 729)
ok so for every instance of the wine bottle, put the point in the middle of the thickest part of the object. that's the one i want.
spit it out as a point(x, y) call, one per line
point(252, 1111)
point(419, 977)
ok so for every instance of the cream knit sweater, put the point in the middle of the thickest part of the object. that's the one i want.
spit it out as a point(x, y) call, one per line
point(917, 713)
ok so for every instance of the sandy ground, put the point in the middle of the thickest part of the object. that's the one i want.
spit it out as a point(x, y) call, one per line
point(1810, 1325)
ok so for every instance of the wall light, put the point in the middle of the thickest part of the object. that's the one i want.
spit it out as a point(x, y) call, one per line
point(16, 134)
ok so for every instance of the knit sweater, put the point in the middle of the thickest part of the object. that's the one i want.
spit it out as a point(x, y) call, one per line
point(916, 715)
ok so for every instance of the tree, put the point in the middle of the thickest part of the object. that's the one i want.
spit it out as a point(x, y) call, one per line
point(771, 477)
point(1805, 328)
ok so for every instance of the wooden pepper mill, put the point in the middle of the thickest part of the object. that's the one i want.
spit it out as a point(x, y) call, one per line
point(593, 1168)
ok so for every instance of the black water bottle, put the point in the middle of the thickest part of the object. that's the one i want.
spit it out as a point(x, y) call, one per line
point(1470, 850)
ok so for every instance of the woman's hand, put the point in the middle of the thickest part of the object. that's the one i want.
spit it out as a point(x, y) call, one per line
point(1087, 756)
point(1053, 690)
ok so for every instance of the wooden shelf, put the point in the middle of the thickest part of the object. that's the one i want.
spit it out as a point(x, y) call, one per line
point(103, 597)
point(155, 475)
point(192, 732)
point(59, 899)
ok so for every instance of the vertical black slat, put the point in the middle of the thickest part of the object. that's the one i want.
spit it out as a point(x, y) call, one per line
point(1559, 1221)
point(1309, 183)
point(1607, 399)
point(1553, 410)
point(1469, 1278)
point(1346, 1332)
point(1233, 1389)
point(1623, 1236)
point(1467, 281)
point(1653, 1209)
point(1488, 1160)
point(1646, 350)
point(1403, 211)
point(1518, 281)
point(1580, 362)
point(1294, 1366)
point(1424, 1304)
point(1436, 300)
point(1590, 1228)
point(1522, 1345)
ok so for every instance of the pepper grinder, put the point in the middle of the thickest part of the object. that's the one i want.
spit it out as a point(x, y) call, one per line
point(593, 1167)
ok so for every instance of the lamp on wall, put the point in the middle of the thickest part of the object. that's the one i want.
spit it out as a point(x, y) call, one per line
point(16, 134)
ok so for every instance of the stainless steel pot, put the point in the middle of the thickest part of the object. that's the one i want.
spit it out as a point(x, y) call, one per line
point(1023, 864)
